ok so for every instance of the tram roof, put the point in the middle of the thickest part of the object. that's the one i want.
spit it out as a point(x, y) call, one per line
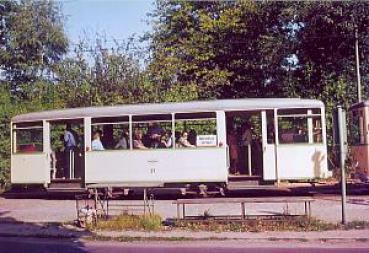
point(360, 104)
point(163, 108)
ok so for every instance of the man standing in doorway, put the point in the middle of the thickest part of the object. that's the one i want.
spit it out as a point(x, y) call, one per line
point(69, 149)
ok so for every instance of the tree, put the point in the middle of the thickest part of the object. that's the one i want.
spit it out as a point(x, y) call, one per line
point(219, 49)
point(33, 41)
point(97, 75)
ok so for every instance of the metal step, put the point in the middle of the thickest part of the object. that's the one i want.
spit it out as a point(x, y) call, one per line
point(65, 184)
point(243, 178)
point(66, 190)
point(66, 180)
point(244, 183)
point(240, 186)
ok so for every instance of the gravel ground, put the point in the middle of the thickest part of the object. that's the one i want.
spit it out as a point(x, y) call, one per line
point(327, 208)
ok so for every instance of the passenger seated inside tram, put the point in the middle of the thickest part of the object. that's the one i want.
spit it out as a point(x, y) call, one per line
point(124, 141)
point(155, 132)
point(96, 144)
point(166, 140)
point(301, 135)
point(192, 137)
point(137, 140)
point(183, 141)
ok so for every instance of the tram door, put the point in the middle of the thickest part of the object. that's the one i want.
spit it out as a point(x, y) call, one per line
point(67, 157)
point(244, 141)
point(268, 145)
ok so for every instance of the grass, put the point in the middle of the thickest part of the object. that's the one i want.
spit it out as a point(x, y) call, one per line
point(258, 225)
point(129, 222)
point(356, 225)
point(154, 223)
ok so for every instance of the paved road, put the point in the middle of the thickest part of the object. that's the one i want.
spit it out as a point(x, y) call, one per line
point(35, 245)
point(327, 208)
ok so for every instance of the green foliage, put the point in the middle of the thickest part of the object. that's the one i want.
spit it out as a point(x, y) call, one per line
point(102, 77)
point(33, 42)
point(286, 223)
point(130, 222)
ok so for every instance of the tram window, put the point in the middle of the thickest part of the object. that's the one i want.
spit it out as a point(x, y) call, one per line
point(28, 138)
point(357, 128)
point(293, 130)
point(152, 131)
point(114, 133)
point(195, 130)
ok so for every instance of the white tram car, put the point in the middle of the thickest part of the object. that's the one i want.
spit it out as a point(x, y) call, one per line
point(287, 141)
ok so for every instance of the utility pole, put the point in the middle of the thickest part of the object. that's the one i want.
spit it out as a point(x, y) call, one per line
point(341, 123)
point(357, 64)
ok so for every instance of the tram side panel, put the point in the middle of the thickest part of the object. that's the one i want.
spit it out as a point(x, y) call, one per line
point(360, 154)
point(29, 169)
point(192, 165)
point(298, 162)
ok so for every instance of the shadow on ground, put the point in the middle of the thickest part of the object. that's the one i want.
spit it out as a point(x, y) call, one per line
point(18, 236)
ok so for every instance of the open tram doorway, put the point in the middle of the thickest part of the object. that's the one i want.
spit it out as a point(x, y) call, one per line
point(67, 153)
point(244, 139)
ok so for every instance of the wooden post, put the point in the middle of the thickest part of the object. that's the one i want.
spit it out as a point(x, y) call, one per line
point(243, 210)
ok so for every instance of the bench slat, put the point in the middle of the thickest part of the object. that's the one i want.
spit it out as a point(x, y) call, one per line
point(242, 200)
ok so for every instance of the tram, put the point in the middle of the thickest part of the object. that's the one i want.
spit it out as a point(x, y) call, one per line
point(186, 145)
point(359, 139)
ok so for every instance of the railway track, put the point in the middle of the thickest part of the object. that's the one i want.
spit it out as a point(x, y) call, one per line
point(175, 193)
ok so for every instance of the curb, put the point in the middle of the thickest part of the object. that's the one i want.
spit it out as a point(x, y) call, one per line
point(127, 238)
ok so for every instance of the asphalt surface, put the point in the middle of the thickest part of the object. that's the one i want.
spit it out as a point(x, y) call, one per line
point(38, 245)
point(326, 207)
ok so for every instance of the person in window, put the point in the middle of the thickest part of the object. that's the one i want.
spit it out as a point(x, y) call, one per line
point(192, 137)
point(246, 137)
point(232, 138)
point(70, 146)
point(166, 140)
point(137, 141)
point(155, 132)
point(124, 141)
point(246, 149)
point(183, 141)
point(96, 144)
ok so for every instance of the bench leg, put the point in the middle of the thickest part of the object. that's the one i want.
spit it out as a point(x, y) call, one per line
point(178, 212)
point(184, 211)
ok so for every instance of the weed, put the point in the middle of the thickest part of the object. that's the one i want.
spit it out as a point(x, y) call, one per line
point(129, 222)
point(356, 225)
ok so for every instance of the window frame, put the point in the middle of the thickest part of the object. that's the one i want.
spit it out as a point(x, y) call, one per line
point(309, 116)
point(118, 122)
point(37, 125)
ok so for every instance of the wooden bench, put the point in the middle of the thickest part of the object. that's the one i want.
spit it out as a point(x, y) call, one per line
point(242, 202)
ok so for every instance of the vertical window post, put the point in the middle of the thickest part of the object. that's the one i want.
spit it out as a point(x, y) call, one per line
point(310, 127)
point(276, 134)
point(87, 124)
point(324, 130)
point(14, 139)
point(46, 136)
point(173, 131)
point(130, 132)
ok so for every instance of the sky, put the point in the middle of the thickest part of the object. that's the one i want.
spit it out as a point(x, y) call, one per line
point(118, 19)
